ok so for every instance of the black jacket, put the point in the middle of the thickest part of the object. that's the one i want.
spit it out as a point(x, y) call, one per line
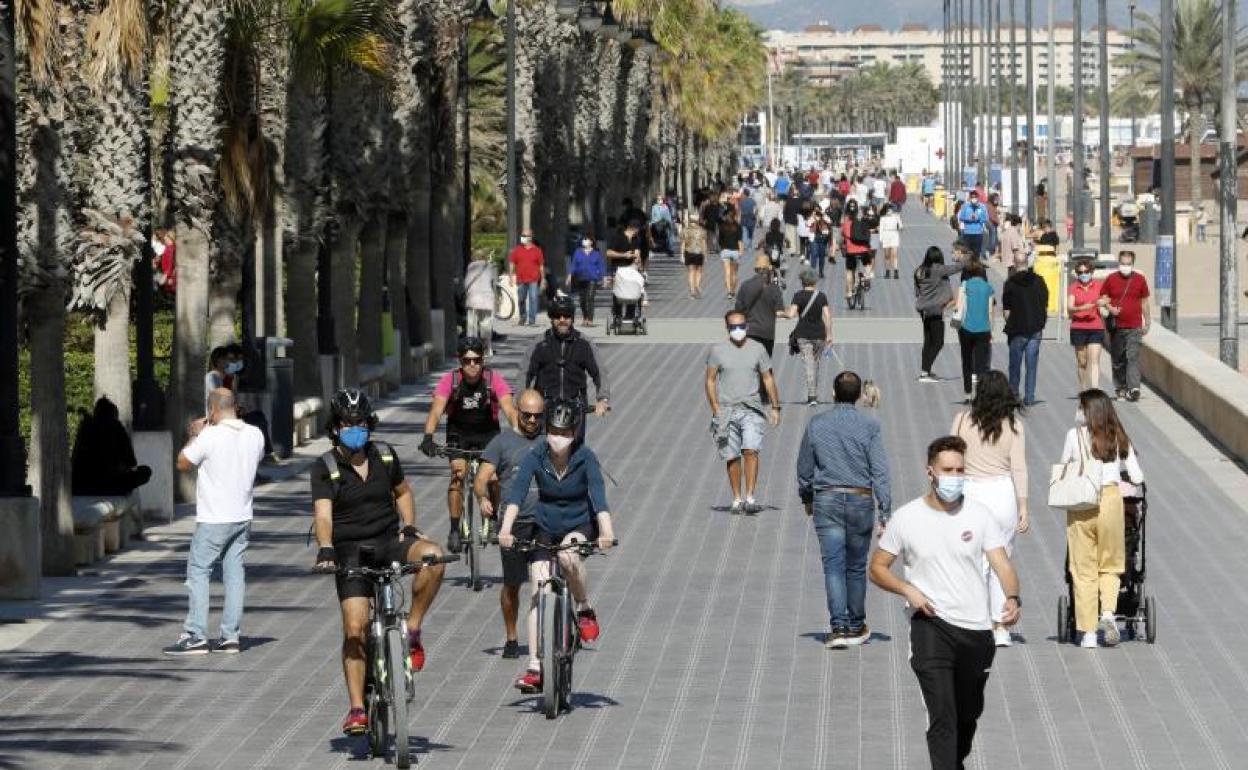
point(562, 368)
point(1026, 299)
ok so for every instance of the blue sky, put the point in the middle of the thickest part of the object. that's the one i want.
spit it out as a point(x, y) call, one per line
point(795, 14)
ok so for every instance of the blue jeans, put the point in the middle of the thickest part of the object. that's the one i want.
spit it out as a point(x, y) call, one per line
point(843, 523)
point(527, 296)
point(1025, 347)
point(227, 542)
point(818, 253)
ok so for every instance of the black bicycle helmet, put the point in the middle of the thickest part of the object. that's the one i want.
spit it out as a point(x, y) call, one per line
point(351, 405)
point(562, 304)
point(471, 345)
point(564, 415)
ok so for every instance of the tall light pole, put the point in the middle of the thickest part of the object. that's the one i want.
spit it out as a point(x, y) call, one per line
point(998, 141)
point(1050, 146)
point(1031, 112)
point(513, 172)
point(984, 147)
point(1013, 155)
point(1077, 134)
point(1131, 34)
point(1228, 259)
point(1102, 23)
point(1165, 230)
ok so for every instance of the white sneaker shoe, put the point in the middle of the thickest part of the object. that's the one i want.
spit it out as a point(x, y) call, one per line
point(1089, 640)
point(1109, 629)
point(1001, 636)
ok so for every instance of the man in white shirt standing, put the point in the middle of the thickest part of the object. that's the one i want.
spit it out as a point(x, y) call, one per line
point(227, 452)
point(942, 540)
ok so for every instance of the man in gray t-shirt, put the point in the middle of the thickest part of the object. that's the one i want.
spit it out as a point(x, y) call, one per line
point(500, 460)
point(733, 371)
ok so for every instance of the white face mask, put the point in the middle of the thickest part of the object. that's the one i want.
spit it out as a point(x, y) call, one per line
point(559, 444)
point(526, 239)
point(587, 243)
point(1126, 270)
point(737, 334)
point(1080, 417)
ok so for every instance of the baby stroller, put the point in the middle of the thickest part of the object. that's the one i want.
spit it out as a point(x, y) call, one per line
point(1135, 608)
point(630, 318)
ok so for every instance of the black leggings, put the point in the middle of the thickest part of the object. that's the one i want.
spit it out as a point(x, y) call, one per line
point(976, 356)
point(586, 288)
point(933, 340)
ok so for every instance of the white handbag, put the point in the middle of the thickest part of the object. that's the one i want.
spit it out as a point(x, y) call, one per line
point(1074, 489)
point(959, 309)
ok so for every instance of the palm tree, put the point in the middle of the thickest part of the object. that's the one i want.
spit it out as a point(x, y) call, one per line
point(1197, 68)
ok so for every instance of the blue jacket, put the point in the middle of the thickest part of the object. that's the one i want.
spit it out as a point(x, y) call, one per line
point(588, 265)
point(563, 504)
point(974, 217)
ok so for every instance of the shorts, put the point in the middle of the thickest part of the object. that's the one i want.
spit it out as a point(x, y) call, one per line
point(1081, 337)
point(515, 563)
point(694, 260)
point(472, 442)
point(588, 530)
point(386, 549)
point(741, 429)
point(729, 255)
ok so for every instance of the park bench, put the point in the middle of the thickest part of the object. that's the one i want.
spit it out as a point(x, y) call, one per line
point(104, 525)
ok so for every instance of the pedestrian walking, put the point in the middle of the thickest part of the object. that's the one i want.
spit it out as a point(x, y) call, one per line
point(480, 278)
point(1127, 320)
point(928, 190)
point(747, 216)
point(942, 538)
point(933, 294)
point(972, 220)
point(734, 369)
point(843, 480)
point(813, 331)
point(1025, 304)
point(693, 248)
point(772, 211)
point(792, 212)
point(897, 194)
point(996, 472)
point(890, 238)
point(1096, 536)
point(821, 236)
point(761, 302)
point(227, 452)
point(587, 270)
point(1013, 243)
point(528, 271)
point(1202, 224)
point(730, 248)
point(1087, 327)
point(978, 305)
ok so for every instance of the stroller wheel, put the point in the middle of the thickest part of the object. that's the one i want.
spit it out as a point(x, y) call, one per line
point(1150, 620)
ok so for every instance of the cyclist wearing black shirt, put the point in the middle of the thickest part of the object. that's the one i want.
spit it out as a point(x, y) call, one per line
point(365, 515)
point(562, 362)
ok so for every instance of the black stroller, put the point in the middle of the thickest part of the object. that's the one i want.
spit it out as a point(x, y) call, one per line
point(1136, 610)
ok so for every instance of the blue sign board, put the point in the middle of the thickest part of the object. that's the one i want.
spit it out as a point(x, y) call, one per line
point(1163, 273)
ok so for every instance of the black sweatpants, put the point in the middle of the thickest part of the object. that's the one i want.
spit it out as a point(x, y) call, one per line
point(933, 340)
point(951, 664)
point(976, 356)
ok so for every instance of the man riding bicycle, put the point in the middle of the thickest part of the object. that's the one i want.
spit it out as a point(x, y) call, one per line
point(365, 515)
point(572, 506)
point(562, 362)
point(471, 397)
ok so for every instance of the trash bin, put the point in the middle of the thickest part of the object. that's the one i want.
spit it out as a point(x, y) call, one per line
point(1150, 217)
point(938, 204)
point(1050, 268)
point(279, 401)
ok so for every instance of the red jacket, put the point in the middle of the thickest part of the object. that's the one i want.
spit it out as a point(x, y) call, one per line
point(897, 192)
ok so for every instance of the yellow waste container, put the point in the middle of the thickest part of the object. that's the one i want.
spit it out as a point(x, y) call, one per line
point(1049, 268)
point(912, 183)
point(938, 206)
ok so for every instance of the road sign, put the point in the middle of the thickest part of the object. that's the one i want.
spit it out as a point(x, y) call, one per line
point(1163, 273)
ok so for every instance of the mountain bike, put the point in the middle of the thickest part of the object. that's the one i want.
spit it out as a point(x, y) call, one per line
point(558, 635)
point(474, 537)
point(388, 685)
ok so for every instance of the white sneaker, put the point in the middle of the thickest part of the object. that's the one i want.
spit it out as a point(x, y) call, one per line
point(1089, 640)
point(1109, 629)
point(1002, 637)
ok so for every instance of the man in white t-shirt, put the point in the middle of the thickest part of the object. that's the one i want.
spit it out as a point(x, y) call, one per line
point(942, 540)
point(227, 452)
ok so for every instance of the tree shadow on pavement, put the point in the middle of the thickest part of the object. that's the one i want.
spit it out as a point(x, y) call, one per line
point(74, 665)
point(25, 740)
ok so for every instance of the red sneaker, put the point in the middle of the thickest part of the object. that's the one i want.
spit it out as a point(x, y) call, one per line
point(356, 722)
point(587, 621)
point(417, 650)
point(530, 681)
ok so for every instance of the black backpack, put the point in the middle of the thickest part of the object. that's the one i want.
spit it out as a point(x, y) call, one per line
point(457, 382)
point(860, 231)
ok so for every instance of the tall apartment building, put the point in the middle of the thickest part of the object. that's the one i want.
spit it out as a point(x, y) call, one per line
point(825, 54)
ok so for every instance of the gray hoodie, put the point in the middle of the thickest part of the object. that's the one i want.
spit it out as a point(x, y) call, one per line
point(933, 292)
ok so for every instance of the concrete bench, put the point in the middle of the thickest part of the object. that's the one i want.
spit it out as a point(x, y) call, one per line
point(309, 419)
point(103, 525)
point(373, 380)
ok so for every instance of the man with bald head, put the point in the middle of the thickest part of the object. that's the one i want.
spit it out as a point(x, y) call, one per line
point(226, 451)
point(499, 463)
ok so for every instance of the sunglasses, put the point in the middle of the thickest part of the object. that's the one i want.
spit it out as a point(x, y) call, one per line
point(561, 316)
point(738, 326)
point(471, 361)
point(530, 415)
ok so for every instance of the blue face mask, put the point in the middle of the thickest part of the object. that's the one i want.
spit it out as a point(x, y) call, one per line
point(234, 367)
point(949, 488)
point(354, 437)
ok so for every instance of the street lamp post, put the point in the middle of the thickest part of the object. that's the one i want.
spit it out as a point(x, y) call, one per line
point(1228, 261)
point(513, 174)
point(1076, 193)
point(1013, 155)
point(1131, 35)
point(1031, 112)
point(1102, 23)
point(1050, 146)
point(1165, 230)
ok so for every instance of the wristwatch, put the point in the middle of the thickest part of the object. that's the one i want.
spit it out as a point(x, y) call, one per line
point(1017, 600)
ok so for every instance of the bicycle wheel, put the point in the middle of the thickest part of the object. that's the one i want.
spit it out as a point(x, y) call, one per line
point(376, 711)
point(551, 609)
point(397, 695)
point(504, 305)
point(474, 544)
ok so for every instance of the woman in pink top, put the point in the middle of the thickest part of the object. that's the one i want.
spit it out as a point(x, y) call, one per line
point(1087, 328)
point(996, 472)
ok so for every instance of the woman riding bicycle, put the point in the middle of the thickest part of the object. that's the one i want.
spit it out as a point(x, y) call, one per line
point(856, 239)
point(572, 506)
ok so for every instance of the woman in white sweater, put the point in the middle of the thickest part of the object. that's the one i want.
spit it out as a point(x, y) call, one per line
point(1096, 537)
point(890, 239)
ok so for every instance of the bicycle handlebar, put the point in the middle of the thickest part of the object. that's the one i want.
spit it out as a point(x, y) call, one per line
point(455, 453)
point(586, 547)
point(390, 571)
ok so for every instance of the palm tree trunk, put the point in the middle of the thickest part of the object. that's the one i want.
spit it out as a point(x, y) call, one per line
point(396, 284)
point(49, 431)
point(301, 316)
point(112, 354)
point(344, 256)
point(368, 331)
point(446, 208)
point(1196, 130)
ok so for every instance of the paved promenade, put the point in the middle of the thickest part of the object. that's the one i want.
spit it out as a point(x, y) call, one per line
point(711, 654)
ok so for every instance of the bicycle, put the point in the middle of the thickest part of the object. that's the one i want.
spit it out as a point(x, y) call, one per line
point(559, 635)
point(388, 658)
point(504, 300)
point(474, 537)
point(862, 286)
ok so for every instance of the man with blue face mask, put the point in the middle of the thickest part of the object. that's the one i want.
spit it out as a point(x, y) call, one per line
point(942, 539)
point(365, 515)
